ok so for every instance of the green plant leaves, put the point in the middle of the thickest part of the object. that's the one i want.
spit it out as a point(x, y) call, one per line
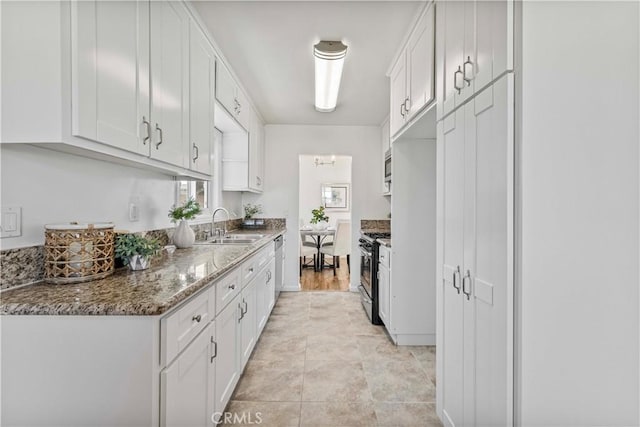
point(128, 245)
point(189, 210)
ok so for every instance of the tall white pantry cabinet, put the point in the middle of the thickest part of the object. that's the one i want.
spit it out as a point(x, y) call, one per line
point(538, 221)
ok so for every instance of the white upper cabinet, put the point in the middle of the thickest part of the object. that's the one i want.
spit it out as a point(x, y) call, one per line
point(110, 73)
point(398, 77)
point(256, 153)
point(475, 47)
point(420, 64)
point(231, 96)
point(169, 82)
point(412, 76)
point(201, 108)
point(243, 156)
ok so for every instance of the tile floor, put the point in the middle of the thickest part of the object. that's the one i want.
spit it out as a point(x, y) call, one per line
point(320, 362)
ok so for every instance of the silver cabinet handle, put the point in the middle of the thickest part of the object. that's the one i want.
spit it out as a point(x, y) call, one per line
point(455, 79)
point(464, 285)
point(402, 109)
point(160, 131)
point(464, 71)
point(215, 349)
point(241, 312)
point(246, 307)
point(406, 108)
point(456, 273)
point(195, 148)
point(196, 318)
point(250, 269)
point(148, 126)
point(233, 286)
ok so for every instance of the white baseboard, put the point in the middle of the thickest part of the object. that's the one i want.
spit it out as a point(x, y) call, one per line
point(291, 288)
point(414, 339)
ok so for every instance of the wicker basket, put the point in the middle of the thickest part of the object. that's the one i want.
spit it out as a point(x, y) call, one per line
point(78, 252)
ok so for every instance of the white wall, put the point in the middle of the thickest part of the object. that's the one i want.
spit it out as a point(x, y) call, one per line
point(579, 278)
point(311, 179)
point(284, 145)
point(54, 187)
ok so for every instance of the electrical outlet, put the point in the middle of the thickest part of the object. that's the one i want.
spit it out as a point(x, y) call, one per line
point(11, 221)
point(134, 212)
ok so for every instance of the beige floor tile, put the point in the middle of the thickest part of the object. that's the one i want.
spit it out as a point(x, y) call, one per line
point(332, 347)
point(264, 414)
point(276, 347)
point(398, 381)
point(334, 381)
point(345, 414)
point(407, 414)
point(271, 381)
point(339, 326)
point(286, 327)
point(426, 356)
point(380, 348)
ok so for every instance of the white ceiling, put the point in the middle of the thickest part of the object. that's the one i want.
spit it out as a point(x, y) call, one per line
point(269, 44)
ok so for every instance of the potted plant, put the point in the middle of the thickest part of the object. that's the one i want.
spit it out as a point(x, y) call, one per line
point(136, 251)
point(319, 218)
point(184, 237)
point(251, 210)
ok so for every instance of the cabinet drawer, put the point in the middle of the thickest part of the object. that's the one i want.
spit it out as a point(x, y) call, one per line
point(226, 289)
point(384, 256)
point(182, 326)
point(264, 256)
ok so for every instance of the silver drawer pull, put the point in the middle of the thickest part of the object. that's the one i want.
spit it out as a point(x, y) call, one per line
point(466, 291)
point(215, 349)
point(197, 318)
point(232, 286)
point(148, 126)
point(456, 273)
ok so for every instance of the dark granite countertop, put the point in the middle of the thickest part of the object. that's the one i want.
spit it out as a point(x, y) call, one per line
point(170, 280)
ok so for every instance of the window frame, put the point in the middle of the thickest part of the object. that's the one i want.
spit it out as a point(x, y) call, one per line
point(205, 216)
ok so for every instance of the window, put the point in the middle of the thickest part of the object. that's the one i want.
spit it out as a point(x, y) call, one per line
point(199, 190)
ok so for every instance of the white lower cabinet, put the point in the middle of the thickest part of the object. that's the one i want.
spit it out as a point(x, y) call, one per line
point(187, 384)
point(248, 316)
point(477, 272)
point(384, 287)
point(178, 369)
point(227, 369)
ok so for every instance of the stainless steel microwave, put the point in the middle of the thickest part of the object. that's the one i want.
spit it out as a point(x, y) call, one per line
point(387, 166)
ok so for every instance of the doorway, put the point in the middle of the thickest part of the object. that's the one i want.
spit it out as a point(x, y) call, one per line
point(325, 222)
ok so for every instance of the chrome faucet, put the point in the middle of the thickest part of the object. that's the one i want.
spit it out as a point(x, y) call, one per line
point(213, 218)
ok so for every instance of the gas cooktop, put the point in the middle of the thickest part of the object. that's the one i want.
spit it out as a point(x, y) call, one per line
point(377, 234)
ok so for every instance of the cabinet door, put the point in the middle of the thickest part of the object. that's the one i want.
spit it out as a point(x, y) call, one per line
point(225, 89)
point(260, 157)
point(384, 295)
point(248, 322)
point(493, 53)
point(451, 138)
point(244, 111)
point(187, 384)
point(271, 287)
point(398, 95)
point(201, 80)
point(451, 16)
point(226, 366)
point(420, 63)
point(169, 82)
point(488, 259)
point(110, 78)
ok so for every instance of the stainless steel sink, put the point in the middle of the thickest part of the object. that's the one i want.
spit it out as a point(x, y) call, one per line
point(233, 239)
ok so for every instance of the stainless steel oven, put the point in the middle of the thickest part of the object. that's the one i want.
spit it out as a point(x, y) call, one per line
point(368, 283)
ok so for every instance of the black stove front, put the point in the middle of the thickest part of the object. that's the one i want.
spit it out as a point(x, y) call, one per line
point(369, 274)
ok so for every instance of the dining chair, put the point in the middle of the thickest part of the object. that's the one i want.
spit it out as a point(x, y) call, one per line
point(307, 249)
point(340, 246)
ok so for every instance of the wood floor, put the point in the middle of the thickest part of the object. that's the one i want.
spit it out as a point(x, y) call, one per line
point(325, 280)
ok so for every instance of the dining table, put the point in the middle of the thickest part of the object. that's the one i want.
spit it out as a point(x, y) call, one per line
point(318, 237)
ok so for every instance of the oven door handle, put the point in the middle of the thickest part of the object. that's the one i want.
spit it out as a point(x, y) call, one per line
point(363, 292)
point(363, 252)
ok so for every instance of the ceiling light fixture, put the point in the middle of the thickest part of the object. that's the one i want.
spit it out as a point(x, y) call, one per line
point(329, 57)
point(321, 162)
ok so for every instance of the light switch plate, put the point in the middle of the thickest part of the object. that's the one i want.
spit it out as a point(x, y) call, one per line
point(11, 221)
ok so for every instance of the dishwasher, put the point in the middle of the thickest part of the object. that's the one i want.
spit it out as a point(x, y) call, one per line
point(279, 242)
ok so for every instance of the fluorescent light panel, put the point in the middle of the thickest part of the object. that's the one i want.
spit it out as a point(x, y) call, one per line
point(329, 60)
